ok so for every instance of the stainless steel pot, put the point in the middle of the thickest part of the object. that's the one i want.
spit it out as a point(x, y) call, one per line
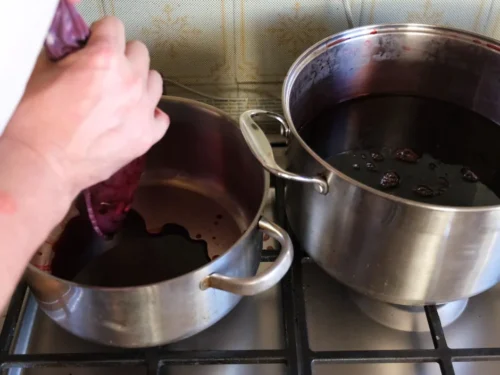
point(202, 176)
point(393, 249)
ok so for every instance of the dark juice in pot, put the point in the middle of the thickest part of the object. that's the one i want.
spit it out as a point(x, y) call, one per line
point(426, 180)
point(135, 257)
point(420, 149)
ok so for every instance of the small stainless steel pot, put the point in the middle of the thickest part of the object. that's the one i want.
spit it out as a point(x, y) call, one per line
point(394, 249)
point(202, 167)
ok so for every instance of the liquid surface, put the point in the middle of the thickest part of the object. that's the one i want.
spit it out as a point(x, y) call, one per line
point(425, 179)
point(135, 257)
point(420, 149)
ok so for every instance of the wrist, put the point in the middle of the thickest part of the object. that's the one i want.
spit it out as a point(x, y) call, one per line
point(30, 182)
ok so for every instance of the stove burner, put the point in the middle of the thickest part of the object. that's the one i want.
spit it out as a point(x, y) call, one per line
point(406, 318)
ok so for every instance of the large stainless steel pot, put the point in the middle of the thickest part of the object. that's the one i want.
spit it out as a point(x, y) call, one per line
point(393, 249)
point(202, 176)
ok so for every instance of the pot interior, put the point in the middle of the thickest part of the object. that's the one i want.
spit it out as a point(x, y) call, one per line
point(201, 190)
point(410, 111)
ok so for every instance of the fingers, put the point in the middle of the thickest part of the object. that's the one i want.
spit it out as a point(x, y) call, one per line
point(138, 55)
point(154, 87)
point(160, 124)
point(160, 121)
point(109, 32)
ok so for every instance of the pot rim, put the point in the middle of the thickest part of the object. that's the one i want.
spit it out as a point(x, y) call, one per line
point(189, 275)
point(325, 44)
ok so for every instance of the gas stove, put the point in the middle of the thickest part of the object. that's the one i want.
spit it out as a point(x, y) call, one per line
point(309, 324)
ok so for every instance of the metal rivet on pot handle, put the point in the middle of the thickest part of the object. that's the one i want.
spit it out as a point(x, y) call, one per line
point(261, 148)
point(250, 286)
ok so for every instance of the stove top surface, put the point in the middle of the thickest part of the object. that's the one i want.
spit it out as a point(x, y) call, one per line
point(333, 322)
point(309, 324)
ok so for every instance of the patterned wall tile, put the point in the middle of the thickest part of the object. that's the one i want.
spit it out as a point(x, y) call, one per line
point(237, 42)
point(189, 40)
point(270, 35)
point(493, 24)
point(471, 15)
point(92, 10)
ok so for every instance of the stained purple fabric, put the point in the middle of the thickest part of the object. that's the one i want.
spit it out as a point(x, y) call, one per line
point(68, 32)
point(109, 201)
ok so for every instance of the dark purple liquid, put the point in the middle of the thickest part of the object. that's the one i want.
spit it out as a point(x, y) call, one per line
point(442, 183)
point(134, 257)
point(371, 167)
point(420, 149)
point(377, 156)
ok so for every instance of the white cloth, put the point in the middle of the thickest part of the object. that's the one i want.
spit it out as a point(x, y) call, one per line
point(23, 27)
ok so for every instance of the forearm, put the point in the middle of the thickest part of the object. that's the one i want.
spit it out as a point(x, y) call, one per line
point(32, 203)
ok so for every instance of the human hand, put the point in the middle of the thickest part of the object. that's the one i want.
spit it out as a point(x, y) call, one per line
point(91, 113)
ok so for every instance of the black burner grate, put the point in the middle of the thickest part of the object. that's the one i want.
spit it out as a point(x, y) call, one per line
point(297, 354)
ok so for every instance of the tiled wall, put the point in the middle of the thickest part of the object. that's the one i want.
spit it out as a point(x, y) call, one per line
point(244, 42)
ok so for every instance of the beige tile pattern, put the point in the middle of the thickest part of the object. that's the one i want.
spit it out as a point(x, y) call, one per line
point(471, 15)
point(189, 40)
point(92, 10)
point(270, 35)
point(230, 44)
point(492, 28)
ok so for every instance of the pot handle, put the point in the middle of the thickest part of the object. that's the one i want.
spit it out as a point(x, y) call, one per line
point(249, 286)
point(261, 148)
